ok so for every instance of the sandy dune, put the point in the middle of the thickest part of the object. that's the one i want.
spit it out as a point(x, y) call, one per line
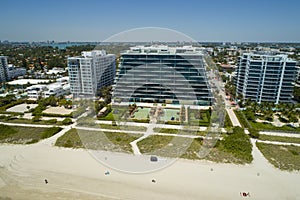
point(75, 174)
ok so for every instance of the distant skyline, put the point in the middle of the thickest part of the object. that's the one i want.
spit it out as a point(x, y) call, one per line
point(94, 20)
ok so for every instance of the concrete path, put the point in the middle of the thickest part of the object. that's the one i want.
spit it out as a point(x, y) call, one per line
point(296, 135)
point(135, 148)
point(30, 125)
point(233, 118)
point(259, 161)
point(278, 143)
point(201, 128)
point(51, 140)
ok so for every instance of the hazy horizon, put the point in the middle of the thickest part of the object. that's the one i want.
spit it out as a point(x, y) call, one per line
point(89, 21)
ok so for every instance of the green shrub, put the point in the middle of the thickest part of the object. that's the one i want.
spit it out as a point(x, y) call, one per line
point(254, 133)
point(51, 121)
point(36, 119)
point(10, 103)
point(67, 121)
point(50, 132)
point(242, 119)
point(140, 120)
point(55, 115)
point(238, 143)
point(32, 141)
point(172, 122)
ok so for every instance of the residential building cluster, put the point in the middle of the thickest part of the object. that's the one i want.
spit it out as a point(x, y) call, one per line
point(166, 74)
point(59, 88)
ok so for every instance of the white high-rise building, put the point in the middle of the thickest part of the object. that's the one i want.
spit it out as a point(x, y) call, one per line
point(9, 71)
point(265, 77)
point(90, 72)
point(3, 69)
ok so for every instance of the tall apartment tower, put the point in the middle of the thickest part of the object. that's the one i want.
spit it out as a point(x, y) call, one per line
point(3, 69)
point(162, 74)
point(265, 77)
point(90, 72)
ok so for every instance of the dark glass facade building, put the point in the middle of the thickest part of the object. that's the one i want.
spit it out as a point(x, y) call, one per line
point(162, 74)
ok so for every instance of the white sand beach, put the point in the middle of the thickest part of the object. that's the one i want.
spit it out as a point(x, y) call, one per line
point(75, 174)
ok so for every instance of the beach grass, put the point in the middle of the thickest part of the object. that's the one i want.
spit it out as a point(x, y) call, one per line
point(279, 138)
point(97, 140)
point(234, 148)
point(284, 157)
point(25, 135)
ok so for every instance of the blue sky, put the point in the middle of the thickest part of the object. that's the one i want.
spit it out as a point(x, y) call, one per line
point(203, 20)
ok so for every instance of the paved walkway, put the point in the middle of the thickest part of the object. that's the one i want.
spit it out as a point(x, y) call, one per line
point(233, 118)
point(296, 135)
point(259, 161)
point(51, 140)
point(30, 125)
point(278, 143)
point(201, 128)
point(150, 131)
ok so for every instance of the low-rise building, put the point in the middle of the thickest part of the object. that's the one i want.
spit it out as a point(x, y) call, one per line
point(55, 89)
point(35, 91)
point(14, 72)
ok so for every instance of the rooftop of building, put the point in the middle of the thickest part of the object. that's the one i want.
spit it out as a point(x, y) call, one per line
point(163, 49)
point(26, 81)
point(91, 54)
point(35, 87)
point(262, 55)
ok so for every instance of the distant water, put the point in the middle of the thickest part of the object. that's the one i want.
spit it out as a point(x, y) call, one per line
point(65, 45)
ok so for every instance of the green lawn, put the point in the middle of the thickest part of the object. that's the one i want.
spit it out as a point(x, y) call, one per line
point(199, 117)
point(283, 157)
point(262, 126)
point(279, 138)
point(97, 140)
point(169, 113)
point(108, 117)
point(25, 135)
point(142, 113)
point(267, 126)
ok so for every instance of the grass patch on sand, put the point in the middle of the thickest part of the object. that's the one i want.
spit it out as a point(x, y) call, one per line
point(97, 140)
point(123, 127)
point(283, 157)
point(270, 127)
point(234, 148)
point(181, 132)
point(25, 135)
point(28, 121)
point(279, 138)
point(165, 146)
